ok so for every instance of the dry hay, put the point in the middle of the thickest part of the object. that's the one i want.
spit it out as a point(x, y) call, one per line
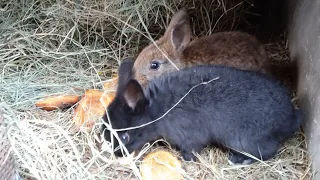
point(64, 47)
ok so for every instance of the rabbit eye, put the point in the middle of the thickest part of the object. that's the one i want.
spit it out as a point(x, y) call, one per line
point(154, 65)
point(125, 137)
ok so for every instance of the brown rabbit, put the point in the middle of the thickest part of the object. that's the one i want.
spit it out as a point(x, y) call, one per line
point(177, 51)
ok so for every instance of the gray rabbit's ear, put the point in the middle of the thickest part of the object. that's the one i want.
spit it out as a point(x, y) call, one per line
point(134, 96)
point(179, 32)
point(125, 73)
point(129, 89)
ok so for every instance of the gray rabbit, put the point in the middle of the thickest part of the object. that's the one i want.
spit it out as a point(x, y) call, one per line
point(240, 110)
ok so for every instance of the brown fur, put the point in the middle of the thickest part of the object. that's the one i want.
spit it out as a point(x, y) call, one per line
point(236, 49)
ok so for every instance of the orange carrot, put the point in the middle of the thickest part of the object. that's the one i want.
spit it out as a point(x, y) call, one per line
point(160, 165)
point(111, 84)
point(57, 102)
point(91, 107)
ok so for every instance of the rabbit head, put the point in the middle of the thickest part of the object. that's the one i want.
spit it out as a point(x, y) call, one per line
point(164, 57)
point(128, 103)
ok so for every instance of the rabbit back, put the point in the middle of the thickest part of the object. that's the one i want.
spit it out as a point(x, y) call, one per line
point(235, 49)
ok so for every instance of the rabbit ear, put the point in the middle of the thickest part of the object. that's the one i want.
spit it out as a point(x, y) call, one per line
point(128, 88)
point(134, 96)
point(179, 32)
point(125, 73)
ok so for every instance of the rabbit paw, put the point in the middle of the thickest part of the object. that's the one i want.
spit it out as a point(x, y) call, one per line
point(188, 156)
point(237, 158)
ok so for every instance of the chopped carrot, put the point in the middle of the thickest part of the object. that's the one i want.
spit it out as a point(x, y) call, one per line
point(160, 165)
point(111, 84)
point(91, 107)
point(57, 102)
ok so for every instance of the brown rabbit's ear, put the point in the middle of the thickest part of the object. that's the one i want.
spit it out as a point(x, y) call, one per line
point(179, 31)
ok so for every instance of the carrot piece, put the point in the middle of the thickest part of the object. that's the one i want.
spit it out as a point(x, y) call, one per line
point(57, 102)
point(160, 165)
point(91, 107)
point(111, 84)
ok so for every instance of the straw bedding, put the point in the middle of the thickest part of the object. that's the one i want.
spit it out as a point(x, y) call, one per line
point(64, 47)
